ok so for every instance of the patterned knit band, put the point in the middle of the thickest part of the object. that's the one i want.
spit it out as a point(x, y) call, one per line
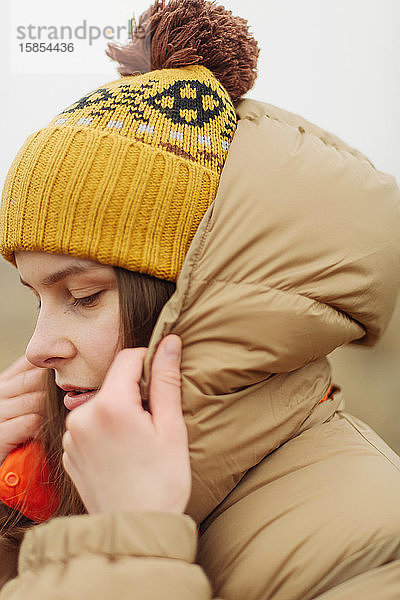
point(124, 175)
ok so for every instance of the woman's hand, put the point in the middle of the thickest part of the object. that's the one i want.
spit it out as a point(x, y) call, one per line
point(121, 457)
point(22, 393)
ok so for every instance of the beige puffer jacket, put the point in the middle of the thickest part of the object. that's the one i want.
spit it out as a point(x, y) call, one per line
point(294, 498)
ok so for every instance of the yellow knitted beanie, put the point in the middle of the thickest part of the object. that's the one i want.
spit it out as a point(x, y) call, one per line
point(124, 175)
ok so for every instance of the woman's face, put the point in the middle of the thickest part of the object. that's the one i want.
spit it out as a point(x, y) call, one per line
point(77, 330)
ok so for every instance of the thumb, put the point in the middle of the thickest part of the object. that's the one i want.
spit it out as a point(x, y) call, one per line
point(165, 385)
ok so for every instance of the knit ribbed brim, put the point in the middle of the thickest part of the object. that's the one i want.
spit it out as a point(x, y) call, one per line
point(116, 201)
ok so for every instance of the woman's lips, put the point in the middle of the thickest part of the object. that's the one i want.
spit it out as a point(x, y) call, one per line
point(72, 399)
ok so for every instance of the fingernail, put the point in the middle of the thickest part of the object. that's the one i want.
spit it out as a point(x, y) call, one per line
point(173, 347)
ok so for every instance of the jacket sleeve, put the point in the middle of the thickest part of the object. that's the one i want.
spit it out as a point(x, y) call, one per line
point(114, 555)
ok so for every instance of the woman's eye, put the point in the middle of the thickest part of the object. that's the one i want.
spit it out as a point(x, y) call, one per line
point(87, 301)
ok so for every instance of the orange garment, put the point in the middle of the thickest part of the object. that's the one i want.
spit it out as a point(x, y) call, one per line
point(25, 483)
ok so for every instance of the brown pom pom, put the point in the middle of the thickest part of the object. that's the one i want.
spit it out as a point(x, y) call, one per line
point(189, 32)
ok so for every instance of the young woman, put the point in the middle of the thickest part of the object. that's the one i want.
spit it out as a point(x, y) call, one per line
point(164, 207)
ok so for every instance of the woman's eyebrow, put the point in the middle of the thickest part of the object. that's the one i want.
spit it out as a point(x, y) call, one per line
point(60, 275)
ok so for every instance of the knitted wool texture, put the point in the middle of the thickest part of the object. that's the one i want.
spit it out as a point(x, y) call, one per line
point(124, 175)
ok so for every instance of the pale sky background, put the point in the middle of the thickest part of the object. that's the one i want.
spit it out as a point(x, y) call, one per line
point(335, 62)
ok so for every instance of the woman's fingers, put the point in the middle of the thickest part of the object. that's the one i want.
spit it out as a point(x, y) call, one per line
point(165, 385)
point(121, 385)
point(33, 402)
point(21, 365)
point(20, 428)
point(22, 395)
point(17, 431)
point(23, 383)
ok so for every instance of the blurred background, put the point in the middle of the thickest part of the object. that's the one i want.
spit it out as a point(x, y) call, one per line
point(335, 63)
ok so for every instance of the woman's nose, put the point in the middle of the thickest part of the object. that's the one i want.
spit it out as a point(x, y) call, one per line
point(48, 346)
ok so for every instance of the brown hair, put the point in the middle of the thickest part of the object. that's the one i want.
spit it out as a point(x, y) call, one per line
point(141, 299)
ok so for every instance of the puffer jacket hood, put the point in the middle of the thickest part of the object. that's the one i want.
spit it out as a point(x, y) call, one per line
point(298, 254)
